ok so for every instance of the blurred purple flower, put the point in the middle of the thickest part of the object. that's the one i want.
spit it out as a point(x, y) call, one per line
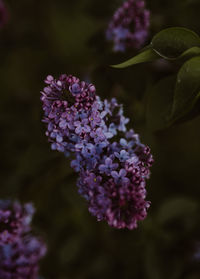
point(20, 252)
point(129, 26)
point(4, 16)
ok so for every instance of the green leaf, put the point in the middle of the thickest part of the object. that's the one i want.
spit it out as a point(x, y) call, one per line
point(172, 42)
point(189, 53)
point(187, 90)
point(159, 103)
point(145, 56)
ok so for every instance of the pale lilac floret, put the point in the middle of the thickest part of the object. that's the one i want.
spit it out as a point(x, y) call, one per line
point(127, 144)
point(120, 178)
point(81, 127)
point(108, 166)
point(123, 155)
point(98, 135)
point(100, 147)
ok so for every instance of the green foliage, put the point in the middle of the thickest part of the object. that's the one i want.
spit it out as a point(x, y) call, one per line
point(172, 42)
point(175, 43)
point(173, 98)
point(187, 90)
point(159, 103)
point(147, 55)
point(193, 51)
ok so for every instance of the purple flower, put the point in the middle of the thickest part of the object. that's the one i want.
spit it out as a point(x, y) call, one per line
point(80, 115)
point(77, 163)
point(59, 146)
point(88, 149)
point(108, 166)
point(107, 107)
point(121, 33)
point(20, 259)
point(82, 127)
point(126, 144)
point(123, 122)
point(93, 180)
point(120, 178)
point(90, 155)
point(63, 124)
point(112, 129)
point(20, 252)
point(14, 220)
point(74, 138)
point(95, 119)
point(122, 156)
point(129, 26)
point(112, 173)
point(98, 135)
point(81, 146)
point(115, 199)
point(75, 88)
point(100, 146)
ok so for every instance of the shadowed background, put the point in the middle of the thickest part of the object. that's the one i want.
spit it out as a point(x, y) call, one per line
point(54, 37)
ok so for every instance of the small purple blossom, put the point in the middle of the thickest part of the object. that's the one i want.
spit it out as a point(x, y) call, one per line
point(123, 155)
point(98, 135)
point(76, 164)
point(81, 127)
point(100, 147)
point(126, 144)
point(112, 129)
point(120, 178)
point(80, 115)
point(108, 166)
point(75, 88)
point(93, 180)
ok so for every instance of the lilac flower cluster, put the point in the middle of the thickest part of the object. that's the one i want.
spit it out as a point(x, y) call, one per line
point(20, 252)
point(3, 14)
point(129, 26)
point(112, 163)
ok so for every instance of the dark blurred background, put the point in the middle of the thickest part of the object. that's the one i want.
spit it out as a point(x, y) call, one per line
point(53, 37)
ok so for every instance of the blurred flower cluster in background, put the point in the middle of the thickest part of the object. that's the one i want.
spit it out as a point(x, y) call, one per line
point(20, 251)
point(55, 37)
